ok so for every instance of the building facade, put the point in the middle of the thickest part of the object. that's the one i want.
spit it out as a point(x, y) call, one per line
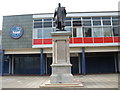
point(94, 43)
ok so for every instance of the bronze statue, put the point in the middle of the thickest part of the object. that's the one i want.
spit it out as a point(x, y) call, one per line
point(59, 17)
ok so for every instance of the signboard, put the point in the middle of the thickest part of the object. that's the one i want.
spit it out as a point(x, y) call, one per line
point(16, 32)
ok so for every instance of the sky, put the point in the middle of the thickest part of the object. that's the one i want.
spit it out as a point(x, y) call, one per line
point(17, 7)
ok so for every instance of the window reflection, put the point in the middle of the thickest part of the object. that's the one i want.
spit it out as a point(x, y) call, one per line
point(46, 33)
point(67, 23)
point(116, 31)
point(77, 23)
point(47, 24)
point(77, 32)
point(86, 23)
point(115, 22)
point(106, 22)
point(39, 33)
point(107, 31)
point(38, 25)
point(96, 23)
point(97, 32)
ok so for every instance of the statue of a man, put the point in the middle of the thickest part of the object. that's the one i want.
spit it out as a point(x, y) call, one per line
point(59, 17)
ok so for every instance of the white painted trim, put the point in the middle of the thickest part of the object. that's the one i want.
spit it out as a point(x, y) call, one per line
point(42, 46)
point(94, 45)
point(79, 14)
point(79, 45)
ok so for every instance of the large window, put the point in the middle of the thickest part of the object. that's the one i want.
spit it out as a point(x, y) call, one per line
point(96, 26)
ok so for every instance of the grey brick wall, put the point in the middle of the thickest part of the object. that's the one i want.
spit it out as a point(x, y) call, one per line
point(26, 40)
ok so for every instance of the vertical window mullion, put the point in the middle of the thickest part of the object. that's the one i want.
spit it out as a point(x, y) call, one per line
point(102, 28)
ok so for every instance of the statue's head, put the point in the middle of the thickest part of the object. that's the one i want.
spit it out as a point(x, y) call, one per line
point(59, 5)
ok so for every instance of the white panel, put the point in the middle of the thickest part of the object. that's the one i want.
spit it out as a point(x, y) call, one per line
point(72, 50)
point(79, 14)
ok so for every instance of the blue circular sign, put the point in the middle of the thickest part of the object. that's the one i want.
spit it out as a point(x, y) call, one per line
point(16, 32)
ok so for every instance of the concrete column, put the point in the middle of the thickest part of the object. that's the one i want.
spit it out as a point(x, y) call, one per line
point(44, 64)
point(119, 61)
point(61, 66)
point(41, 61)
point(80, 64)
point(83, 62)
point(11, 64)
point(2, 63)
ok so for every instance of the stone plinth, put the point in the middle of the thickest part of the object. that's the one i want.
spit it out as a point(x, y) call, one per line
point(61, 66)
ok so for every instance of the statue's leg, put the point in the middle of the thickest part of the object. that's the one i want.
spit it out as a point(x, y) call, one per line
point(59, 25)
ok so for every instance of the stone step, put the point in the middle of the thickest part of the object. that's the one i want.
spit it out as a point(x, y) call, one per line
point(63, 85)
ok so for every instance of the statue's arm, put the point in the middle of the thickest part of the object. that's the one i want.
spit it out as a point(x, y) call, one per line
point(65, 11)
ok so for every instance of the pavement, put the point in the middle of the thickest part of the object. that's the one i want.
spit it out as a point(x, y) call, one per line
point(88, 81)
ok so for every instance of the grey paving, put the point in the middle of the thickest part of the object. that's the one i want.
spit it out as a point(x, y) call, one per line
point(89, 81)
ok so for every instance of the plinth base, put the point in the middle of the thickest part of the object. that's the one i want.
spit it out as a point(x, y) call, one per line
point(61, 73)
point(48, 84)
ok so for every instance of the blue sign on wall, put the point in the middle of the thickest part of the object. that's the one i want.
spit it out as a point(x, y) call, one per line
point(16, 32)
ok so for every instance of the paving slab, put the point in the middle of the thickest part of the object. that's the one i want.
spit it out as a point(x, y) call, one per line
point(89, 81)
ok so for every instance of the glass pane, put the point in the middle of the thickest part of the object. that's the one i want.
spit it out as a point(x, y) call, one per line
point(96, 18)
point(106, 23)
point(67, 23)
point(47, 19)
point(79, 31)
point(47, 24)
point(96, 22)
point(68, 29)
point(54, 24)
point(39, 33)
point(97, 31)
point(115, 22)
point(116, 31)
point(67, 18)
point(77, 23)
point(74, 32)
point(76, 19)
point(115, 18)
point(35, 33)
point(87, 32)
point(105, 18)
point(37, 19)
point(86, 18)
point(107, 31)
point(47, 33)
point(86, 23)
point(38, 25)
